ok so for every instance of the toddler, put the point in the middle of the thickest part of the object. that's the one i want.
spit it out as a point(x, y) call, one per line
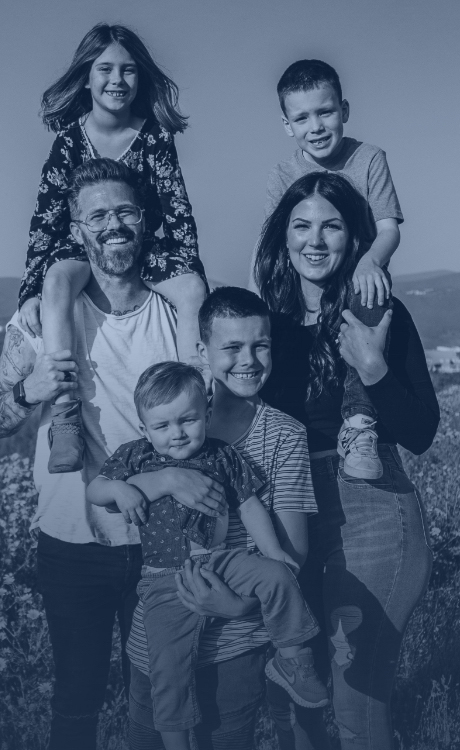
point(172, 405)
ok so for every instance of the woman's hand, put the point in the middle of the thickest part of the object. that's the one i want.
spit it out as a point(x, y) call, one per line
point(29, 317)
point(362, 347)
point(203, 592)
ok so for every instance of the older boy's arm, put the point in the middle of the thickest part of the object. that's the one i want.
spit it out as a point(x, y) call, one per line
point(369, 277)
point(258, 524)
point(188, 486)
point(292, 532)
point(42, 376)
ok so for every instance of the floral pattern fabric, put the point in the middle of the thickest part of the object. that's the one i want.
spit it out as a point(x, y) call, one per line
point(152, 154)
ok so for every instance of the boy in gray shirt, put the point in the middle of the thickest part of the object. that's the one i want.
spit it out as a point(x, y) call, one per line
point(314, 113)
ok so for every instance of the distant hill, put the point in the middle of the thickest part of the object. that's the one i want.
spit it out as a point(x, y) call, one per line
point(432, 297)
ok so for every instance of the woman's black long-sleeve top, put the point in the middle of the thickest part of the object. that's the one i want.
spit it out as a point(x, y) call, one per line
point(404, 399)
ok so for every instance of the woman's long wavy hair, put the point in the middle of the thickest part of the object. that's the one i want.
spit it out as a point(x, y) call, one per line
point(68, 99)
point(280, 284)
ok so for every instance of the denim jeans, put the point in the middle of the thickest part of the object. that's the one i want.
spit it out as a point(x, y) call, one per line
point(84, 587)
point(173, 631)
point(355, 398)
point(368, 566)
point(229, 694)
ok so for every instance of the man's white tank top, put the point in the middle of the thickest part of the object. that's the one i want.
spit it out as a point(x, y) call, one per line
point(112, 352)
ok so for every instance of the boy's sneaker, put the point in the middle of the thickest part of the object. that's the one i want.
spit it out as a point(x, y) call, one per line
point(65, 438)
point(298, 677)
point(357, 444)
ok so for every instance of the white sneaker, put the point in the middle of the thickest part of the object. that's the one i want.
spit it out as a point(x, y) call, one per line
point(357, 444)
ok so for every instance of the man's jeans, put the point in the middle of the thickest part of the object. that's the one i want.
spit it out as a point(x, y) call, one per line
point(367, 568)
point(229, 694)
point(84, 587)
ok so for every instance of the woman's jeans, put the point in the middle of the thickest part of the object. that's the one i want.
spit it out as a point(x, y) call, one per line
point(368, 566)
point(229, 694)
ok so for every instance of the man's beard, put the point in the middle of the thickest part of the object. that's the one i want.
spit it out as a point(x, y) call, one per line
point(117, 260)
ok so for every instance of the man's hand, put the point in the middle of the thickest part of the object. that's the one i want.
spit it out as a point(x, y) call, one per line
point(362, 347)
point(29, 317)
point(48, 379)
point(370, 280)
point(203, 592)
point(131, 503)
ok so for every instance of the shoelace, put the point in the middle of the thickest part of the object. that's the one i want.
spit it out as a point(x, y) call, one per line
point(360, 441)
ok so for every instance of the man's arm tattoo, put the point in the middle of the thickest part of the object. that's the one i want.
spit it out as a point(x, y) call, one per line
point(16, 363)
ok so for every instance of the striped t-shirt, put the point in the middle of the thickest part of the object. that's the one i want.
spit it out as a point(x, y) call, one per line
point(276, 444)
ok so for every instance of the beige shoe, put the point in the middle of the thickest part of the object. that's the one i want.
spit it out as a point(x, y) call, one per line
point(357, 444)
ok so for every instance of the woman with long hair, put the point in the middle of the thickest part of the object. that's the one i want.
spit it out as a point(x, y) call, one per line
point(113, 101)
point(369, 561)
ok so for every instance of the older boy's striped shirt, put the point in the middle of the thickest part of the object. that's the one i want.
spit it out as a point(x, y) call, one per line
point(276, 444)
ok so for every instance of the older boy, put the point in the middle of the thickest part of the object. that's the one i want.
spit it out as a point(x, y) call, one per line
point(314, 113)
point(235, 331)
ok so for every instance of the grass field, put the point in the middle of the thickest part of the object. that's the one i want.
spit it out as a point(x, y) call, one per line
point(427, 691)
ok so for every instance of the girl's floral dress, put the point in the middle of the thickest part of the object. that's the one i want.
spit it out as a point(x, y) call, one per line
point(152, 154)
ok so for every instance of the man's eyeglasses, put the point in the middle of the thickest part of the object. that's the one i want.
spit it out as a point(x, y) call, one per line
point(99, 221)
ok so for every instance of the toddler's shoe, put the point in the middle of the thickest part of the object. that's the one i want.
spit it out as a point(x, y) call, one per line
point(357, 444)
point(65, 438)
point(298, 677)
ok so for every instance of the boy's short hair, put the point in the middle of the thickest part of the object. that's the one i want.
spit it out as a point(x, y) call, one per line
point(94, 171)
point(305, 75)
point(229, 302)
point(165, 381)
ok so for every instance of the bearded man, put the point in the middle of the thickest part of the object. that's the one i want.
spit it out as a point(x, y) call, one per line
point(89, 561)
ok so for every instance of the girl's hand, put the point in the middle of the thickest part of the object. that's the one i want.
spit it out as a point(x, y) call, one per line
point(370, 279)
point(29, 317)
point(362, 347)
point(203, 592)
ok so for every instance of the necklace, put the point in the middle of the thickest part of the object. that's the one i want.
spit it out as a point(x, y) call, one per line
point(118, 313)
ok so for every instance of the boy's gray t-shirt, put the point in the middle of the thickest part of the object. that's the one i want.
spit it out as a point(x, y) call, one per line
point(365, 166)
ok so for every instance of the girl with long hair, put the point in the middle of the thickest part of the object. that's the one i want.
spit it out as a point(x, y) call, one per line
point(113, 101)
point(369, 561)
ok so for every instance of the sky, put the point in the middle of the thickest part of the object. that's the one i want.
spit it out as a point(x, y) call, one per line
point(398, 61)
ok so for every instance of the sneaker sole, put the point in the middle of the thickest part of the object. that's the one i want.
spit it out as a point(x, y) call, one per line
point(360, 474)
point(275, 676)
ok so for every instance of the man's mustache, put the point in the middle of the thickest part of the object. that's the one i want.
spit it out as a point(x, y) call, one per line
point(106, 236)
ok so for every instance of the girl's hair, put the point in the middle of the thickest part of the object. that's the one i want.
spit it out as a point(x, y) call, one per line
point(279, 283)
point(68, 99)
